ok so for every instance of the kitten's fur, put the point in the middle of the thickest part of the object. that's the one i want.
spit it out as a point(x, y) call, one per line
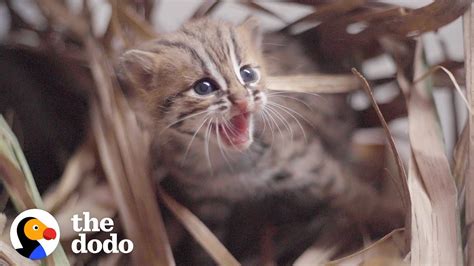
point(292, 163)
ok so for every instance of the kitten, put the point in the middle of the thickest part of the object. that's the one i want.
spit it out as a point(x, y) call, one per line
point(226, 142)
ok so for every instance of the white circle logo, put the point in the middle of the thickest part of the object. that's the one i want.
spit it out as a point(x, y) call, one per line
point(35, 234)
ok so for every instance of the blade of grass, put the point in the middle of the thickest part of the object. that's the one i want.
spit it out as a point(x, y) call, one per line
point(469, 171)
point(60, 15)
point(206, 8)
point(9, 256)
point(402, 180)
point(461, 158)
point(142, 27)
point(451, 77)
point(122, 147)
point(14, 162)
point(325, 248)
point(390, 248)
point(79, 164)
point(199, 231)
point(392, 110)
point(115, 26)
point(93, 197)
point(258, 7)
point(19, 182)
point(327, 11)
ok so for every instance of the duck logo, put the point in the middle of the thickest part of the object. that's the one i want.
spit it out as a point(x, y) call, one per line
point(34, 234)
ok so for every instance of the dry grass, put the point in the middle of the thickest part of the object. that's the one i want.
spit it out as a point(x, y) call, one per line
point(436, 193)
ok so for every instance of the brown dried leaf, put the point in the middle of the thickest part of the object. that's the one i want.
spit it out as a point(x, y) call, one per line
point(415, 22)
point(389, 250)
point(327, 11)
point(83, 161)
point(110, 260)
point(9, 256)
point(435, 239)
point(316, 256)
point(258, 7)
point(115, 27)
point(93, 198)
point(199, 231)
point(402, 180)
point(325, 248)
point(122, 147)
point(58, 13)
point(140, 26)
point(451, 78)
point(15, 184)
point(3, 222)
point(206, 8)
point(461, 158)
point(316, 83)
point(468, 173)
point(392, 110)
point(427, 18)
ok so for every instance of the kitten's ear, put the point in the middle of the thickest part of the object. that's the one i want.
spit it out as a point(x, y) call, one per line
point(138, 67)
point(251, 26)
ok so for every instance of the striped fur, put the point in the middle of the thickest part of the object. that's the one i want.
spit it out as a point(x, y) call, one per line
point(204, 48)
point(298, 143)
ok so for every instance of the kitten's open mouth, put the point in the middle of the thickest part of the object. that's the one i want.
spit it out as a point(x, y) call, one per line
point(236, 133)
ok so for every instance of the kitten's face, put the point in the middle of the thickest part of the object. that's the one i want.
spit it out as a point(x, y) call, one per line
point(205, 81)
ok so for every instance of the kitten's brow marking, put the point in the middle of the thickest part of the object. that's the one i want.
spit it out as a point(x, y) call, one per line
point(216, 56)
point(185, 47)
point(235, 45)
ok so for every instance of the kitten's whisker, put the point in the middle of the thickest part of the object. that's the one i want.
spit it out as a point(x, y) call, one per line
point(206, 118)
point(206, 147)
point(273, 120)
point(282, 120)
point(274, 44)
point(294, 98)
point(294, 112)
point(277, 92)
point(266, 120)
point(231, 127)
point(184, 118)
point(227, 126)
point(161, 107)
point(296, 120)
point(290, 92)
point(264, 123)
point(219, 144)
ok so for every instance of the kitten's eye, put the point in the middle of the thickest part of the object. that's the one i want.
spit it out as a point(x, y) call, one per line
point(205, 86)
point(249, 74)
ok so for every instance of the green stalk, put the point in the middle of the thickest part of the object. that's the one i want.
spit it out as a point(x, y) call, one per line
point(17, 178)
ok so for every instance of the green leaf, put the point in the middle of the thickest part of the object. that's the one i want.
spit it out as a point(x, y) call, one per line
point(19, 182)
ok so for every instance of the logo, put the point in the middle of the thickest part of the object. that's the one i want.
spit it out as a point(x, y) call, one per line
point(35, 234)
point(88, 224)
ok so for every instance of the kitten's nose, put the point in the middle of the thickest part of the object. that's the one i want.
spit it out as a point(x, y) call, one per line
point(242, 105)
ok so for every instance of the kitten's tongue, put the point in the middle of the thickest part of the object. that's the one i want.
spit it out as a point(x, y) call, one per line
point(239, 133)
